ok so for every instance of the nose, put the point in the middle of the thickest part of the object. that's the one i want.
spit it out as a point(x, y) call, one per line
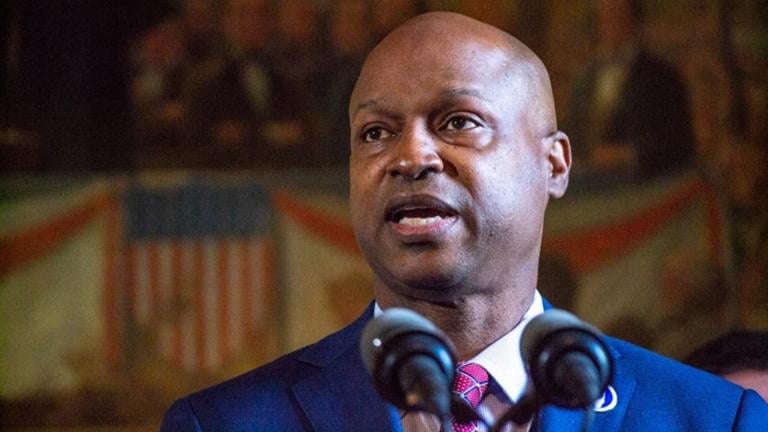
point(416, 156)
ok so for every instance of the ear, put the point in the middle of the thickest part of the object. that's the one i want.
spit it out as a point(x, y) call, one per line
point(558, 148)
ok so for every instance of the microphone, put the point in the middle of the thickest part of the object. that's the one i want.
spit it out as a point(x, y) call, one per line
point(566, 359)
point(411, 361)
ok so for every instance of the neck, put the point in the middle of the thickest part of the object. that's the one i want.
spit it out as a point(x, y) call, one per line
point(472, 322)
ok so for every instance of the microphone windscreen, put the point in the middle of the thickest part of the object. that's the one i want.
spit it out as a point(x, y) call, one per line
point(392, 323)
point(546, 324)
point(568, 362)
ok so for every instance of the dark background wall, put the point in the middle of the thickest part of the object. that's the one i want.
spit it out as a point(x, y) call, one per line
point(65, 81)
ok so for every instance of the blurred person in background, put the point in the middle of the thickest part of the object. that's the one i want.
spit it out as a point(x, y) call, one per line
point(629, 115)
point(230, 102)
point(298, 63)
point(740, 356)
point(349, 37)
point(160, 70)
point(164, 58)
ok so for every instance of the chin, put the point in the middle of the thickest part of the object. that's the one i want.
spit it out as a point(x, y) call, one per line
point(422, 274)
point(428, 286)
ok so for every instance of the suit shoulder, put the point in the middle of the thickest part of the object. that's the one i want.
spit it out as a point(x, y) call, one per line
point(646, 364)
point(241, 400)
point(274, 378)
point(679, 394)
point(254, 394)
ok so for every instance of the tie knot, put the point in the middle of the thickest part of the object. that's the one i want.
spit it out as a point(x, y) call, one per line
point(471, 382)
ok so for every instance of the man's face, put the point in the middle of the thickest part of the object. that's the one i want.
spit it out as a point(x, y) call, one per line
point(448, 177)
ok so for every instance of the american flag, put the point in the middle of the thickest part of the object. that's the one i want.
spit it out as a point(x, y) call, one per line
point(197, 270)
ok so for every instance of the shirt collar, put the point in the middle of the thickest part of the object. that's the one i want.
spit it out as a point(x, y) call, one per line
point(502, 359)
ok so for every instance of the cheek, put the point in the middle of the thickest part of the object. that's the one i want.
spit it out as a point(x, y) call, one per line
point(513, 180)
point(512, 207)
point(362, 195)
point(499, 199)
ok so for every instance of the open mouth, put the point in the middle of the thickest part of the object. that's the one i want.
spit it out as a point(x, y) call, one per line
point(418, 211)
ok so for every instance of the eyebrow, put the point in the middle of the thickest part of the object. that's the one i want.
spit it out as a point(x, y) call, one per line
point(370, 103)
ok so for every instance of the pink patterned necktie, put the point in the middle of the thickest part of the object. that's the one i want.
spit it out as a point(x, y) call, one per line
point(470, 384)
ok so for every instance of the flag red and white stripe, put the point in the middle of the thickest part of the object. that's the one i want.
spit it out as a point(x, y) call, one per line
point(201, 299)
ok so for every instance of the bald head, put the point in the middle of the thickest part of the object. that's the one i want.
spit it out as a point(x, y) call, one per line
point(440, 35)
point(454, 155)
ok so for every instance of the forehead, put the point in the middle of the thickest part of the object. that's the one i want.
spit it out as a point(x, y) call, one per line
point(417, 67)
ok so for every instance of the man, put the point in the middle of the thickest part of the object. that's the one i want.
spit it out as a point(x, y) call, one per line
point(740, 356)
point(454, 155)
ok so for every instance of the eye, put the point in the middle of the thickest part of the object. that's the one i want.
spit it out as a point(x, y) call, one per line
point(460, 123)
point(376, 134)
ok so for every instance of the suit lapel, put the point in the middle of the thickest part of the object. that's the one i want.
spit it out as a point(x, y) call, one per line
point(347, 404)
point(340, 396)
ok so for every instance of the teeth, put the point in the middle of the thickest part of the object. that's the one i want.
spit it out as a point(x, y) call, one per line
point(419, 221)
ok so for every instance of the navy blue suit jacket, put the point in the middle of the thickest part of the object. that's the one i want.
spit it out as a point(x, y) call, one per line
point(325, 387)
